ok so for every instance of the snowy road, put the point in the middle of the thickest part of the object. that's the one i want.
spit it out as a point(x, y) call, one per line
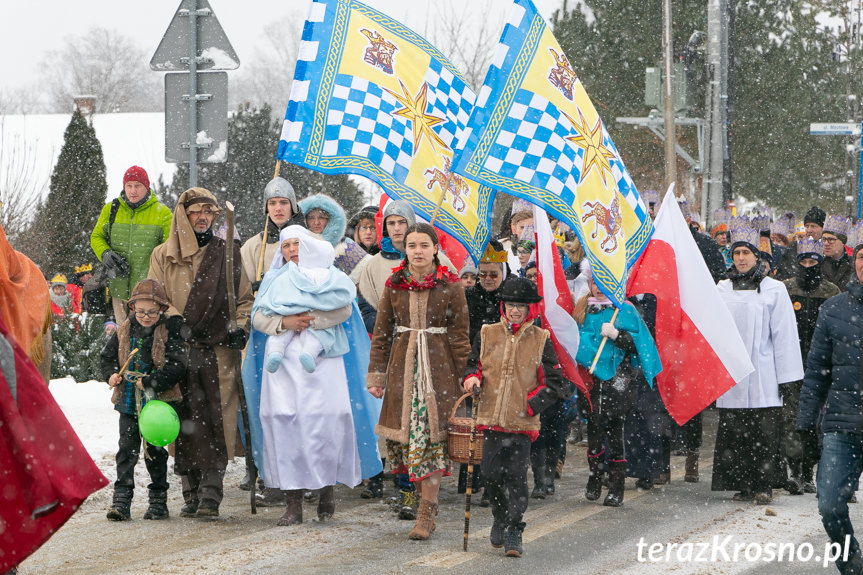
point(565, 533)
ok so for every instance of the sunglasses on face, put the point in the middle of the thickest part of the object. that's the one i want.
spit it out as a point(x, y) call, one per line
point(492, 275)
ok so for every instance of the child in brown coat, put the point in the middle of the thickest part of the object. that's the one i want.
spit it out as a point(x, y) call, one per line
point(515, 364)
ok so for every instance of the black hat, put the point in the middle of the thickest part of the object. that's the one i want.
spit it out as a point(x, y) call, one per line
point(519, 290)
point(815, 215)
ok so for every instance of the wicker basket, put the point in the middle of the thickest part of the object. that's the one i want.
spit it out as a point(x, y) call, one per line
point(458, 436)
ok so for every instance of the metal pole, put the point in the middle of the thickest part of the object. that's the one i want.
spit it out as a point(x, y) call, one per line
point(715, 108)
point(193, 93)
point(860, 177)
point(670, 135)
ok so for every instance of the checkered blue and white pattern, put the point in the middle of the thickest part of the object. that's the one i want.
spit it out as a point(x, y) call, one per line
point(360, 123)
point(531, 147)
point(448, 97)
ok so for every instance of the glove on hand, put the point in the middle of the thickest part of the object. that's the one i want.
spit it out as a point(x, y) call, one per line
point(608, 330)
point(115, 263)
point(809, 439)
point(237, 339)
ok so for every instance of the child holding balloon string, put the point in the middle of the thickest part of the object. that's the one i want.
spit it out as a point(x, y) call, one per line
point(150, 348)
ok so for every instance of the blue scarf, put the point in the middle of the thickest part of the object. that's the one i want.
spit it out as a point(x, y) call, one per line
point(387, 246)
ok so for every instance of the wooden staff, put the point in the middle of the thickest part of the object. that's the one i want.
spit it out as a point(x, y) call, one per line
point(260, 271)
point(470, 452)
point(232, 326)
point(441, 198)
point(602, 343)
point(128, 361)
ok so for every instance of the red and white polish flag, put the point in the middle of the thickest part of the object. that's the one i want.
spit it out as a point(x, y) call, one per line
point(701, 350)
point(557, 305)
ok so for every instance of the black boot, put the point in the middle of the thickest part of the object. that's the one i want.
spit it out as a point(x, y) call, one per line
point(512, 542)
point(594, 482)
point(550, 474)
point(158, 508)
point(375, 487)
point(121, 506)
point(246, 483)
point(537, 464)
point(271, 497)
point(615, 484)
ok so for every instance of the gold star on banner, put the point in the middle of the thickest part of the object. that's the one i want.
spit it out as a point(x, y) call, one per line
point(414, 110)
point(596, 155)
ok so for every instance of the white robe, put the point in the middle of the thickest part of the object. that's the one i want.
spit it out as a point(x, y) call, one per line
point(768, 328)
point(308, 430)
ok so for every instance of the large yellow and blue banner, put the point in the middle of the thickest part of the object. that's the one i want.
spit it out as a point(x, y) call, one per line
point(534, 133)
point(372, 97)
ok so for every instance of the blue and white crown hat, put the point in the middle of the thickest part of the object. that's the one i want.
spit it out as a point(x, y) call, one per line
point(837, 225)
point(855, 234)
point(784, 224)
point(684, 206)
point(742, 233)
point(651, 197)
point(809, 247)
point(520, 205)
point(721, 217)
point(761, 223)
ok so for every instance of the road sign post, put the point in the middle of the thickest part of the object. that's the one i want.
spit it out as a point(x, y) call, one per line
point(845, 129)
point(190, 46)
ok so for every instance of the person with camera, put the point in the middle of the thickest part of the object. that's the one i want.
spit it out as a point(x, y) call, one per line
point(128, 230)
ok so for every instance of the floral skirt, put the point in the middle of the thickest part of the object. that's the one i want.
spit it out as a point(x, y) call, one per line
point(421, 456)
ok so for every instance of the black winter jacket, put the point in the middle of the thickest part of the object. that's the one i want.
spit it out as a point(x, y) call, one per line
point(712, 256)
point(483, 307)
point(838, 272)
point(833, 366)
point(806, 305)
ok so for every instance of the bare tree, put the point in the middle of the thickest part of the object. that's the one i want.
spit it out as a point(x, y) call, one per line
point(22, 187)
point(19, 100)
point(266, 79)
point(103, 63)
point(469, 48)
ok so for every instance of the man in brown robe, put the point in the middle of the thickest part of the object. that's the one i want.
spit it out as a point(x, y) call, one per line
point(191, 266)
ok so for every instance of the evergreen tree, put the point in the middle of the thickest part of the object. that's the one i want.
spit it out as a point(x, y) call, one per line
point(252, 142)
point(784, 78)
point(77, 343)
point(59, 237)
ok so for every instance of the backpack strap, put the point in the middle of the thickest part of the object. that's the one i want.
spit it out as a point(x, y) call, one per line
point(115, 205)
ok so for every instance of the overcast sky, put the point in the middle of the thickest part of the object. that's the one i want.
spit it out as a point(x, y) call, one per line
point(30, 29)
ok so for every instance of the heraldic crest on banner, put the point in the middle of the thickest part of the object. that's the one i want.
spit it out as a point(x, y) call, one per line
point(372, 97)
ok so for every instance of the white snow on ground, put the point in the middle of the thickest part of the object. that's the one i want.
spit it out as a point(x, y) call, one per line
point(88, 408)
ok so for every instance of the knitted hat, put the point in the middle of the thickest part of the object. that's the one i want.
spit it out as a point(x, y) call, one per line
point(743, 234)
point(815, 215)
point(468, 269)
point(136, 174)
point(838, 226)
point(810, 248)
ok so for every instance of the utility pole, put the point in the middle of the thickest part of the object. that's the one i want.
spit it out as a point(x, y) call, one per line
point(713, 184)
point(670, 133)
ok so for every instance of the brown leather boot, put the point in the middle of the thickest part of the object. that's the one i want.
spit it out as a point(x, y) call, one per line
point(294, 510)
point(691, 475)
point(326, 503)
point(425, 521)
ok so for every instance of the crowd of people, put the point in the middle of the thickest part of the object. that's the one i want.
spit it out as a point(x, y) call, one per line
point(344, 343)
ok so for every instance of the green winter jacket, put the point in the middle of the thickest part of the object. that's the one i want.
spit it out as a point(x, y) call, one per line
point(134, 235)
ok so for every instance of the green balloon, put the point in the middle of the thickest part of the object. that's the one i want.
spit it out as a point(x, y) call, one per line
point(159, 423)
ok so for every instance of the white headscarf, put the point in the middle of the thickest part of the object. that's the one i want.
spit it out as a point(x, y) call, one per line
point(315, 256)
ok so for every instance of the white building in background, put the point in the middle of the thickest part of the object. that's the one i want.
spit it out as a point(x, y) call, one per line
point(32, 142)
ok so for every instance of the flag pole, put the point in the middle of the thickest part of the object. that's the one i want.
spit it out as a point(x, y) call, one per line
point(441, 198)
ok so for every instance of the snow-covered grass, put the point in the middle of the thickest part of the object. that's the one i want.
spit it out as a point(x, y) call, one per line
point(88, 408)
